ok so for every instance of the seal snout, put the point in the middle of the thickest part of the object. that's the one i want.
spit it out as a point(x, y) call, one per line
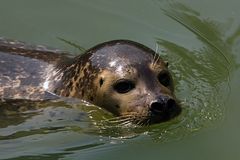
point(164, 108)
point(162, 104)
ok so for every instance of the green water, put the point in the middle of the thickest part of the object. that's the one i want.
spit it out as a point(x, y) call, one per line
point(200, 39)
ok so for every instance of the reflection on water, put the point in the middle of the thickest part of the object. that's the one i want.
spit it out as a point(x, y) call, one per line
point(58, 129)
point(200, 74)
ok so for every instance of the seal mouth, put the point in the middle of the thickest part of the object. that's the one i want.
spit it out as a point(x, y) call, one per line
point(148, 118)
point(154, 117)
point(164, 116)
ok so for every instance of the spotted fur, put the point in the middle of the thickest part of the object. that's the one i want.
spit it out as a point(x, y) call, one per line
point(38, 73)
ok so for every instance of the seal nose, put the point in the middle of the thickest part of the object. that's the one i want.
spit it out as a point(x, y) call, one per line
point(164, 104)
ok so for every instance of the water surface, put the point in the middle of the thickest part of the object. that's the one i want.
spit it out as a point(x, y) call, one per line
point(200, 39)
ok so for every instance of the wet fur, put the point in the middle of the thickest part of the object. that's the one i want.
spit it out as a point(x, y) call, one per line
point(41, 73)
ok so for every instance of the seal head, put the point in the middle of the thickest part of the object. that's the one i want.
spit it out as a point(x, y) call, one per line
point(124, 77)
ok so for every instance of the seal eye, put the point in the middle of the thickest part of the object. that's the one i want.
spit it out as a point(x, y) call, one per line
point(164, 78)
point(123, 86)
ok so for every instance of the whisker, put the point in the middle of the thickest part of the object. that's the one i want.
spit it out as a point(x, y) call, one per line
point(148, 122)
point(119, 118)
point(155, 55)
point(139, 123)
point(158, 57)
point(142, 123)
point(156, 48)
point(140, 120)
point(126, 123)
point(128, 119)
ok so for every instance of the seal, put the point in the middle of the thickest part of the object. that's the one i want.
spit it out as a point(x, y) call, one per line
point(124, 77)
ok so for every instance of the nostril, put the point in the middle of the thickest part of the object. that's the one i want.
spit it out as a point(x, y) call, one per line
point(157, 107)
point(171, 104)
point(164, 105)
